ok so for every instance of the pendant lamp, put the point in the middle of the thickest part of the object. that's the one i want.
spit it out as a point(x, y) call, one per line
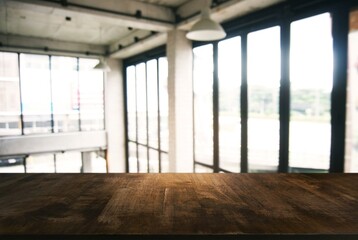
point(102, 65)
point(206, 29)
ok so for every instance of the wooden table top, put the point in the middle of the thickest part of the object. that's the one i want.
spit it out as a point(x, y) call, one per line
point(178, 204)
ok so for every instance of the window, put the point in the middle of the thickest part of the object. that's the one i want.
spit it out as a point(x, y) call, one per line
point(263, 77)
point(40, 163)
point(64, 162)
point(49, 94)
point(41, 94)
point(10, 121)
point(262, 99)
point(68, 162)
point(141, 105)
point(65, 99)
point(132, 119)
point(36, 93)
point(311, 85)
point(229, 64)
point(200, 168)
point(351, 157)
point(203, 104)
point(13, 164)
point(147, 116)
point(91, 91)
point(163, 113)
point(94, 162)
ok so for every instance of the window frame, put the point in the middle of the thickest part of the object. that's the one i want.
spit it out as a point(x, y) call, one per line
point(154, 54)
point(282, 15)
point(51, 93)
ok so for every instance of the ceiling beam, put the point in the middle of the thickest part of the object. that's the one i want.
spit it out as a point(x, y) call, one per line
point(133, 37)
point(127, 13)
point(146, 44)
point(45, 46)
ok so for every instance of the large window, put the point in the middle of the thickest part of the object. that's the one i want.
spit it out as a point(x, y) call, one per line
point(10, 120)
point(65, 99)
point(311, 84)
point(49, 94)
point(229, 63)
point(203, 104)
point(266, 100)
point(91, 91)
point(263, 77)
point(36, 93)
point(147, 116)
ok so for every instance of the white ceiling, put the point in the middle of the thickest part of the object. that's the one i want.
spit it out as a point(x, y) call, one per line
point(109, 23)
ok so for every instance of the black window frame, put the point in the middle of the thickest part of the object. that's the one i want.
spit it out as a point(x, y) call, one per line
point(282, 15)
point(154, 54)
point(80, 127)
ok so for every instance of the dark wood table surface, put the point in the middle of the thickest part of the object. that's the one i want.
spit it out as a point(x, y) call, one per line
point(237, 206)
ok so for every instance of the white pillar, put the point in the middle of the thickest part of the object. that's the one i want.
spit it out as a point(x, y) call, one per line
point(179, 54)
point(114, 108)
point(87, 162)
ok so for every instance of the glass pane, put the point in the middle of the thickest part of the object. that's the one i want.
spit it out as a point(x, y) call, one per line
point(143, 163)
point(12, 165)
point(65, 96)
point(133, 164)
point(131, 103)
point(94, 162)
point(202, 169)
point(153, 161)
point(263, 77)
point(36, 93)
point(311, 85)
point(68, 162)
point(229, 104)
point(203, 103)
point(351, 161)
point(163, 103)
point(42, 163)
point(141, 103)
point(10, 123)
point(152, 86)
point(164, 162)
point(91, 95)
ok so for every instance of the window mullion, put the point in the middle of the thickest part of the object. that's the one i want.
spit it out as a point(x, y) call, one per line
point(284, 102)
point(340, 31)
point(244, 104)
point(136, 116)
point(146, 112)
point(51, 96)
point(215, 109)
point(158, 120)
point(20, 90)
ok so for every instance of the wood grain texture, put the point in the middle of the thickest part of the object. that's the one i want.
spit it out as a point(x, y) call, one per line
point(115, 204)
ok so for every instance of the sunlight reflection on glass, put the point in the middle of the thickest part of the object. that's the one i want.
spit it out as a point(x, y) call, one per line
point(203, 103)
point(263, 99)
point(229, 65)
point(311, 84)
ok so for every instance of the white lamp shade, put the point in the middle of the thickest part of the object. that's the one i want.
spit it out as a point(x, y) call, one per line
point(102, 65)
point(206, 30)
